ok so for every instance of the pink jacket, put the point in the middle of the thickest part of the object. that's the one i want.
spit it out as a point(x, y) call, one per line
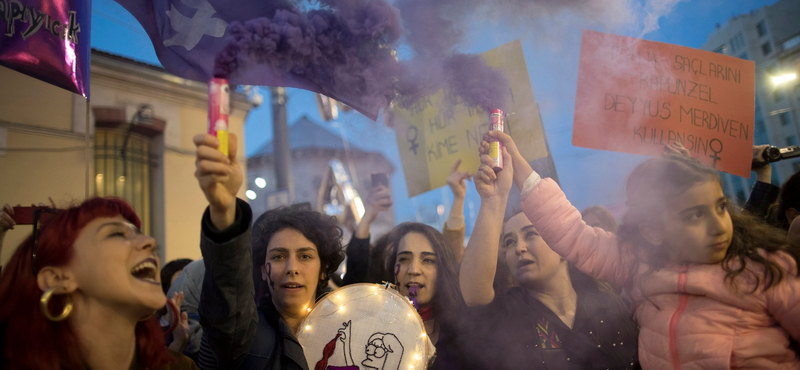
point(693, 319)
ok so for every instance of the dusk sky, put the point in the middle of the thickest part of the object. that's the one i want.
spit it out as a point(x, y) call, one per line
point(551, 45)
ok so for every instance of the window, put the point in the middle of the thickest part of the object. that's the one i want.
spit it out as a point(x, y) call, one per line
point(766, 48)
point(777, 95)
point(722, 49)
point(761, 28)
point(744, 56)
point(791, 140)
point(785, 118)
point(790, 43)
point(737, 43)
point(126, 176)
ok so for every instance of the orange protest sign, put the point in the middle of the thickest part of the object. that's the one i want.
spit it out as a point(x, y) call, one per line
point(636, 96)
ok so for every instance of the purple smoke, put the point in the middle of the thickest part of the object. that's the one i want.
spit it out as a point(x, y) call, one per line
point(344, 47)
point(347, 48)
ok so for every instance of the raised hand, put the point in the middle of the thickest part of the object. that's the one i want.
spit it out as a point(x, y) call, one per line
point(182, 332)
point(676, 149)
point(219, 176)
point(521, 168)
point(491, 185)
point(761, 167)
point(6, 218)
point(378, 200)
point(456, 180)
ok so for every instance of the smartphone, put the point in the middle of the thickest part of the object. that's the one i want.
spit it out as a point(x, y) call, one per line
point(23, 215)
point(379, 179)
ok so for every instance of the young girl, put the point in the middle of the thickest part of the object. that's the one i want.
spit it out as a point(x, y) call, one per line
point(712, 287)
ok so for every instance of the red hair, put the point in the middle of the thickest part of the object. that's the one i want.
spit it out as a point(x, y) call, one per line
point(28, 339)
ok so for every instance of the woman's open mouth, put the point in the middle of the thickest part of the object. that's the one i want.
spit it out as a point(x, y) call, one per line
point(146, 271)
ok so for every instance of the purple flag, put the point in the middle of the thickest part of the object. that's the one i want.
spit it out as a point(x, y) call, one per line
point(48, 40)
point(340, 48)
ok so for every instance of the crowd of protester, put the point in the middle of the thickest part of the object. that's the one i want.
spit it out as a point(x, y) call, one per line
point(684, 280)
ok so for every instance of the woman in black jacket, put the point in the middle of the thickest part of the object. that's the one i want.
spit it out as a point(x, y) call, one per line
point(295, 250)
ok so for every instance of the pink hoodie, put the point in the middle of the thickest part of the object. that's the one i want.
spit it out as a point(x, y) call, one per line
point(689, 317)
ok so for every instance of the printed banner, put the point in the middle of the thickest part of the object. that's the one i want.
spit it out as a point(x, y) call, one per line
point(636, 96)
point(48, 40)
point(430, 139)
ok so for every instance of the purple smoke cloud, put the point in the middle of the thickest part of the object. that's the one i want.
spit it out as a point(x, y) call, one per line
point(346, 47)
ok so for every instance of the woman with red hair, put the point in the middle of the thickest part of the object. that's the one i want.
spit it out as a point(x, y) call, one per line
point(81, 291)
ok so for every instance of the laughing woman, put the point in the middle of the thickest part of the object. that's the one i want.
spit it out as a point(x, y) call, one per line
point(81, 293)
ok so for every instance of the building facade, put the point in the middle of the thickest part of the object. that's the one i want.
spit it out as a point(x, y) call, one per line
point(312, 148)
point(770, 37)
point(139, 147)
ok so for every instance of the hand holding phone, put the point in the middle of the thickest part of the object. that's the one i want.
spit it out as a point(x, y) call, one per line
point(380, 179)
point(23, 215)
point(7, 220)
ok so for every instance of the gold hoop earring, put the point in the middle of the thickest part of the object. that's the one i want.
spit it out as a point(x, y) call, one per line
point(44, 303)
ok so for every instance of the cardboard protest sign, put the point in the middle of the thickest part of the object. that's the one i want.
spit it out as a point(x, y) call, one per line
point(637, 96)
point(431, 138)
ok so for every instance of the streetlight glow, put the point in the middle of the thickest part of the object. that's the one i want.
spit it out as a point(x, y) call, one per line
point(784, 78)
point(250, 194)
point(260, 182)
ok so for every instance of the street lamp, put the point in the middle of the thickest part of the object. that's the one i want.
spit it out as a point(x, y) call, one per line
point(783, 78)
point(250, 194)
point(260, 182)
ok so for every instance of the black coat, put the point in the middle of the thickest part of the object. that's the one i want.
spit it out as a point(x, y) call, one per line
point(516, 331)
point(236, 335)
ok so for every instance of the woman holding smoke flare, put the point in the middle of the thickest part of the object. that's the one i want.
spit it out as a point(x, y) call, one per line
point(294, 251)
point(82, 291)
point(713, 288)
point(555, 317)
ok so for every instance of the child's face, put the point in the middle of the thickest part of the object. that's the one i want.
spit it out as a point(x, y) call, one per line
point(697, 227)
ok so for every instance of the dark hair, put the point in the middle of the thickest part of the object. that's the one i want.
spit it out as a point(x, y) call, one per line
point(170, 269)
point(447, 303)
point(789, 198)
point(321, 230)
point(607, 221)
point(31, 341)
point(378, 260)
point(654, 182)
point(504, 279)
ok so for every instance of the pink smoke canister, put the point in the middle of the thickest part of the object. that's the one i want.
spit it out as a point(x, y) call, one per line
point(496, 122)
point(218, 106)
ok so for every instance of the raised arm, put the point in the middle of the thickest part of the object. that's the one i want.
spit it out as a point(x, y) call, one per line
point(764, 193)
point(592, 250)
point(454, 227)
point(6, 222)
point(378, 200)
point(227, 309)
point(479, 265)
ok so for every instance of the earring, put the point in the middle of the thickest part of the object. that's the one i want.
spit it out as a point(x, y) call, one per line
point(44, 303)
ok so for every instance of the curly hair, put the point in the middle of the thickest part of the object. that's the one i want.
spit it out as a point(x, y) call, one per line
point(656, 181)
point(321, 230)
point(447, 303)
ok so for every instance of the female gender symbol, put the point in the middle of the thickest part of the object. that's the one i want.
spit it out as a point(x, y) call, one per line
point(715, 156)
